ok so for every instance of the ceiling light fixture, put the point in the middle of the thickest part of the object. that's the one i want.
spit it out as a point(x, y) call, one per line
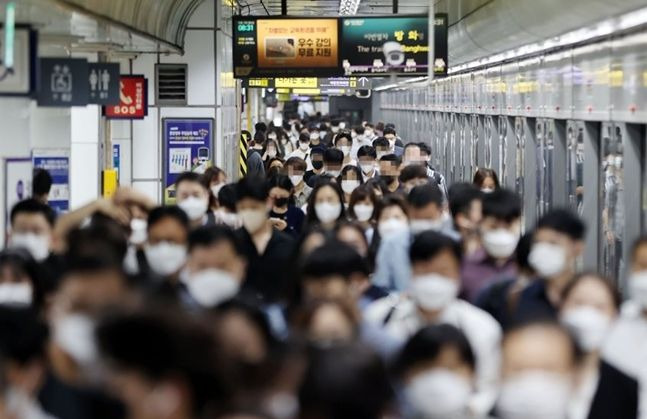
point(348, 7)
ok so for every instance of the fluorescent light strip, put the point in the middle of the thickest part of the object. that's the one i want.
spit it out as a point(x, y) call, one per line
point(603, 28)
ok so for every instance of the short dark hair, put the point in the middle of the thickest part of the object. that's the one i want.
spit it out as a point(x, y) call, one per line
point(23, 335)
point(32, 206)
point(461, 196)
point(319, 151)
point(392, 158)
point(381, 142)
point(297, 162)
point(563, 221)
point(366, 151)
point(429, 342)
point(333, 155)
point(351, 168)
point(333, 258)
point(260, 127)
point(304, 138)
point(211, 235)
point(343, 134)
point(502, 204)
point(170, 211)
point(429, 244)
point(279, 181)
point(413, 171)
point(190, 177)
point(41, 182)
point(388, 130)
point(426, 194)
point(253, 188)
point(227, 197)
point(424, 148)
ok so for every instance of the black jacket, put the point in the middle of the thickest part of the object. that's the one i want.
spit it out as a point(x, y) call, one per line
point(616, 396)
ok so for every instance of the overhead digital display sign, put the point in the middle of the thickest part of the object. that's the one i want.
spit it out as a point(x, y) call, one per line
point(375, 45)
point(285, 47)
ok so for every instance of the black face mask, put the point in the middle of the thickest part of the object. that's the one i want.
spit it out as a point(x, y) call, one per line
point(281, 202)
point(388, 179)
point(317, 164)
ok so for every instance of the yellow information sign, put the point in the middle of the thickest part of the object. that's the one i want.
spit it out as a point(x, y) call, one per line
point(259, 83)
point(306, 91)
point(296, 82)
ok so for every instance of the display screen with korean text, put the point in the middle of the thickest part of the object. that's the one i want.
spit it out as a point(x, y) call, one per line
point(285, 47)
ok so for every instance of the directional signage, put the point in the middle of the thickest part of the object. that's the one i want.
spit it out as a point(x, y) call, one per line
point(103, 81)
point(133, 99)
point(63, 82)
point(310, 83)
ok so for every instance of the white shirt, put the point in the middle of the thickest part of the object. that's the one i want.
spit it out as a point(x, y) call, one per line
point(481, 330)
point(626, 349)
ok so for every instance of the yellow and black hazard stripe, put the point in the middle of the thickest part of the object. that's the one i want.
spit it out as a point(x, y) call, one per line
point(242, 158)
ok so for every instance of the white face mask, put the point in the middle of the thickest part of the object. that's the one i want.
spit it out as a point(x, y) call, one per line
point(215, 189)
point(16, 293)
point(391, 143)
point(547, 259)
point(333, 173)
point(534, 395)
point(74, 334)
point(366, 167)
point(487, 190)
point(439, 394)
point(348, 186)
point(500, 243)
point(322, 135)
point(418, 226)
point(271, 152)
point(392, 226)
point(230, 219)
point(368, 134)
point(638, 288)
point(345, 149)
point(36, 244)
point(304, 146)
point(271, 136)
point(363, 212)
point(314, 136)
point(138, 232)
point(589, 325)
point(165, 258)
point(195, 208)
point(334, 130)
point(327, 212)
point(253, 219)
point(296, 180)
point(211, 287)
point(433, 291)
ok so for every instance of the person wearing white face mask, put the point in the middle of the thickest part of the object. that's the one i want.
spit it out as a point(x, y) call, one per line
point(557, 243)
point(32, 225)
point(625, 347)
point(267, 250)
point(392, 218)
point(362, 208)
point(192, 196)
point(165, 249)
point(367, 158)
point(344, 142)
point(19, 285)
point(215, 266)
point(349, 179)
point(425, 213)
point(499, 233)
point(296, 168)
point(538, 372)
point(303, 150)
point(436, 371)
point(325, 205)
point(589, 307)
point(226, 212)
point(431, 298)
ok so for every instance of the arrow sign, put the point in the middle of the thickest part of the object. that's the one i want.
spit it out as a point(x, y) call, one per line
point(363, 81)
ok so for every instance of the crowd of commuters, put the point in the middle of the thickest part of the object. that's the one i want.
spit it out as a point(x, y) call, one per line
point(341, 278)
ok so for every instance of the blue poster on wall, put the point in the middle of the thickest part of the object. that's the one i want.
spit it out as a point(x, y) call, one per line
point(57, 163)
point(187, 145)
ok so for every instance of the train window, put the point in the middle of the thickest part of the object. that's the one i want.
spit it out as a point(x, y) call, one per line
point(612, 193)
point(575, 165)
point(488, 141)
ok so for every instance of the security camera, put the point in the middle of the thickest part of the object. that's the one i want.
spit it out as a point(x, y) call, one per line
point(393, 53)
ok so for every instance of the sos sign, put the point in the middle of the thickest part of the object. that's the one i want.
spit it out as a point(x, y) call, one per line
point(133, 99)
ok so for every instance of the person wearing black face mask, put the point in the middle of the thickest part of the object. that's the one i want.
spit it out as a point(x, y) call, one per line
point(390, 172)
point(284, 215)
point(316, 160)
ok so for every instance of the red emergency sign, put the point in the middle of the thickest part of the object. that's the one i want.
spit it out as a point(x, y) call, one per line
point(133, 98)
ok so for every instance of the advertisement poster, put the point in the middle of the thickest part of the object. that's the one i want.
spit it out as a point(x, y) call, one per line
point(187, 147)
point(286, 46)
point(17, 184)
point(57, 163)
